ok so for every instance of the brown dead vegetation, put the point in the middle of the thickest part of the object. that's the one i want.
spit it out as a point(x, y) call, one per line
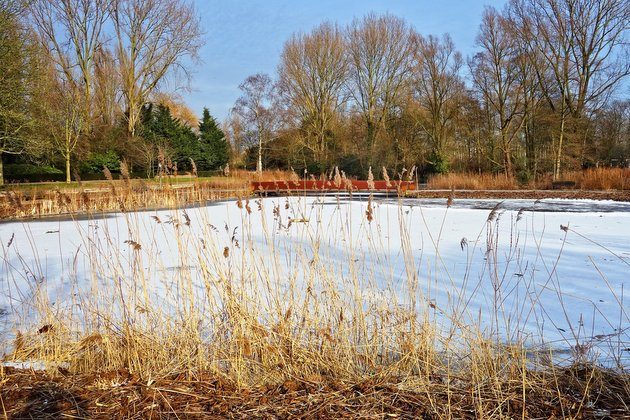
point(595, 179)
point(39, 200)
point(580, 391)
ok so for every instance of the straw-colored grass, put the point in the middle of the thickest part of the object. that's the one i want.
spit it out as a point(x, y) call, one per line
point(46, 199)
point(472, 181)
point(597, 179)
point(601, 178)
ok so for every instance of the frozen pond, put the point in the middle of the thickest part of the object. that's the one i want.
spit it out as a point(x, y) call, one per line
point(550, 273)
point(543, 205)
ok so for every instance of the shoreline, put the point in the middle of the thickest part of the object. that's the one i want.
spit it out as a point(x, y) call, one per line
point(225, 195)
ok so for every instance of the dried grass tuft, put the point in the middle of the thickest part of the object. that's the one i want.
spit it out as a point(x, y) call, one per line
point(472, 181)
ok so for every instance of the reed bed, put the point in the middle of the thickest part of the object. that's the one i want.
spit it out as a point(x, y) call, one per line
point(596, 179)
point(601, 179)
point(40, 200)
point(274, 329)
point(473, 181)
point(116, 195)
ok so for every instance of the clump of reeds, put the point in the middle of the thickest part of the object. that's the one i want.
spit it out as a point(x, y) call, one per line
point(601, 178)
point(386, 177)
point(472, 181)
point(124, 172)
point(370, 180)
point(114, 195)
point(337, 177)
point(193, 165)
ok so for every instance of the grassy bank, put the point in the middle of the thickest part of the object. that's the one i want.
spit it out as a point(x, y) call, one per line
point(49, 199)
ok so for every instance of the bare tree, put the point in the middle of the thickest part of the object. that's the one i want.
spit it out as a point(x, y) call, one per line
point(496, 74)
point(312, 74)
point(255, 107)
point(70, 34)
point(584, 48)
point(612, 134)
point(66, 122)
point(532, 71)
point(154, 39)
point(70, 30)
point(438, 87)
point(234, 132)
point(106, 87)
point(178, 108)
point(380, 58)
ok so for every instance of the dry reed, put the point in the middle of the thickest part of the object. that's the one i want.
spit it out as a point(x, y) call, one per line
point(472, 181)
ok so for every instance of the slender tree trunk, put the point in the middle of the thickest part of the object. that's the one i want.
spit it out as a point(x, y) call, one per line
point(68, 178)
point(558, 157)
point(259, 164)
point(1, 168)
point(507, 158)
point(507, 155)
point(529, 147)
point(132, 121)
point(583, 127)
point(370, 134)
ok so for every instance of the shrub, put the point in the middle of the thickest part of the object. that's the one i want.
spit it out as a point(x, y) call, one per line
point(24, 172)
point(97, 161)
point(438, 164)
point(24, 169)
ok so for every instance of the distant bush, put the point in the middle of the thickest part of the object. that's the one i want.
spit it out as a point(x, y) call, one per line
point(438, 164)
point(24, 172)
point(351, 165)
point(25, 169)
point(97, 161)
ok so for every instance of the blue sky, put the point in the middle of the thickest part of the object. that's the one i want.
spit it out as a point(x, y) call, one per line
point(245, 37)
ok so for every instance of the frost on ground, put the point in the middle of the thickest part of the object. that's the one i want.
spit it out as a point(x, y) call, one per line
point(549, 274)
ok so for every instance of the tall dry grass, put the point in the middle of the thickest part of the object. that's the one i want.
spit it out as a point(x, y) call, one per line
point(116, 195)
point(472, 181)
point(263, 312)
point(601, 179)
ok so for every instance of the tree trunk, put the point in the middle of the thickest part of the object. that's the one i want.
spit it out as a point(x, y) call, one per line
point(558, 157)
point(131, 124)
point(68, 178)
point(259, 163)
point(370, 134)
point(529, 148)
point(507, 158)
point(507, 154)
point(1, 169)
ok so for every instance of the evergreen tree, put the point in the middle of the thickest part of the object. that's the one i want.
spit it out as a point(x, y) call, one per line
point(160, 129)
point(215, 146)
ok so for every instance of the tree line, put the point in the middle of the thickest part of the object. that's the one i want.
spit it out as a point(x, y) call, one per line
point(544, 92)
point(89, 83)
